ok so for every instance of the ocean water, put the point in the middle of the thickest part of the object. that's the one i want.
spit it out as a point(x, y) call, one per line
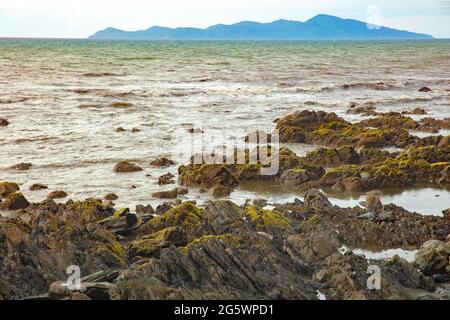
point(65, 98)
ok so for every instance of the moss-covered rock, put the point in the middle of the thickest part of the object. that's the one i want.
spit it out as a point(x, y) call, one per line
point(265, 220)
point(6, 188)
point(14, 201)
point(207, 175)
point(295, 127)
point(186, 216)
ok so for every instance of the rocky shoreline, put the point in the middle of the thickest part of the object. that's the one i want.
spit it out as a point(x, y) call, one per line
point(260, 250)
point(220, 251)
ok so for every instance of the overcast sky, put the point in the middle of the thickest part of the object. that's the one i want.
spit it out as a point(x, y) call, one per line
point(81, 18)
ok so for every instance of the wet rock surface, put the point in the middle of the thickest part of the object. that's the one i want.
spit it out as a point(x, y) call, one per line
point(126, 167)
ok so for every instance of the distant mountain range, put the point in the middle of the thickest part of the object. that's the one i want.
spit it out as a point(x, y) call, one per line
point(321, 27)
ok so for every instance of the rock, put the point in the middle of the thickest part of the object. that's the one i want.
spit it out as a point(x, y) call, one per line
point(126, 167)
point(38, 186)
point(182, 191)
point(315, 199)
point(333, 157)
point(297, 177)
point(6, 188)
point(57, 195)
point(433, 257)
point(135, 130)
point(373, 203)
point(122, 223)
point(195, 130)
point(220, 191)
point(162, 162)
point(120, 129)
point(166, 179)
point(111, 196)
point(141, 209)
point(424, 89)
point(295, 127)
point(417, 111)
point(14, 201)
point(3, 122)
point(22, 166)
point(364, 110)
point(207, 175)
point(172, 194)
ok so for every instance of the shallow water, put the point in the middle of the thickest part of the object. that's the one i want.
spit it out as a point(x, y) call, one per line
point(408, 255)
point(61, 97)
point(423, 200)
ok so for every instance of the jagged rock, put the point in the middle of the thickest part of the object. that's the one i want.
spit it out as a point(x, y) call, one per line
point(162, 162)
point(14, 201)
point(6, 188)
point(166, 179)
point(22, 166)
point(50, 237)
point(57, 195)
point(433, 257)
point(315, 199)
point(122, 222)
point(38, 186)
point(126, 167)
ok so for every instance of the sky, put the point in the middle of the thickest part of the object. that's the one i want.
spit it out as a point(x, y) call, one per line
point(81, 18)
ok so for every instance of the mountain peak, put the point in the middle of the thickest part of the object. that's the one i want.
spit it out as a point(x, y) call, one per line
point(320, 18)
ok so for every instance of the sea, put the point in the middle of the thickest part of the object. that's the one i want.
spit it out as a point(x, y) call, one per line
point(65, 99)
